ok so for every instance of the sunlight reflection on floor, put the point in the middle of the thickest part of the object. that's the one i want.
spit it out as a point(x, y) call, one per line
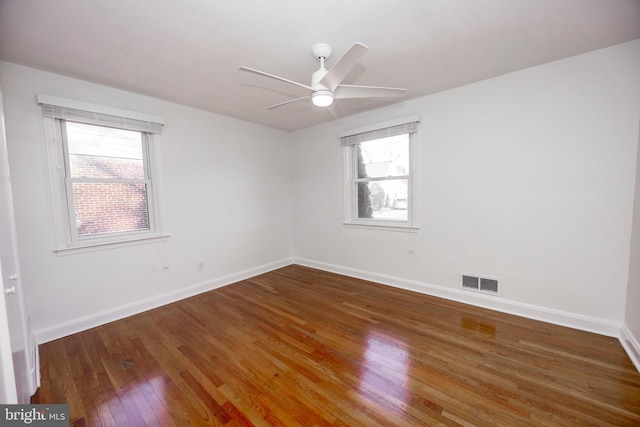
point(139, 404)
point(383, 378)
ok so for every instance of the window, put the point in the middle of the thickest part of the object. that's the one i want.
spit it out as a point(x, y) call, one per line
point(106, 179)
point(104, 174)
point(379, 174)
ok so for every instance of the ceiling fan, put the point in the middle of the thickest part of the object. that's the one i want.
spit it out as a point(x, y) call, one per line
point(326, 84)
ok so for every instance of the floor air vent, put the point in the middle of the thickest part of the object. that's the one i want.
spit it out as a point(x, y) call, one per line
point(478, 283)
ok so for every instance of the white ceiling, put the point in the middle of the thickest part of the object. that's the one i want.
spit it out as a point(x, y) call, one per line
point(189, 51)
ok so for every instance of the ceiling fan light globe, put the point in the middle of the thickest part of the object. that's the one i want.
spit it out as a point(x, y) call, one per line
point(322, 98)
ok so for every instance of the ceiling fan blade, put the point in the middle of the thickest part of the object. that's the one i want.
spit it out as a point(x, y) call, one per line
point(287, 102)
point(335, 110)
point(262, 73)
point(351, 91)
point(343, 66)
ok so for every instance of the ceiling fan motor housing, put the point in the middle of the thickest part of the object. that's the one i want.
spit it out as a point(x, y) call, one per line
point(321, 50)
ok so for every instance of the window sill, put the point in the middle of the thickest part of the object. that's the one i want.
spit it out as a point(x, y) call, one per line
point(83, 247)
point(382, 226)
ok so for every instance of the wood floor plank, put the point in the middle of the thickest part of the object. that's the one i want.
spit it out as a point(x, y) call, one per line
point(304, 347)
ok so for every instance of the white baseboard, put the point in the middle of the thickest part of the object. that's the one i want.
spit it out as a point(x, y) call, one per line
point(87, 322)
point(631, 345)
point(558, 317)
point(36, 367)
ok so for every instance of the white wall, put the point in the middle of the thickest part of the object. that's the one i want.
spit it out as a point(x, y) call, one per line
point(528, 177)
point(227, 199)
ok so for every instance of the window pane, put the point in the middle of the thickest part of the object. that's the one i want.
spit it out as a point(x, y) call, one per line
point(102, 152)
point(383, 199)
point(110, 208)
point(384, 157)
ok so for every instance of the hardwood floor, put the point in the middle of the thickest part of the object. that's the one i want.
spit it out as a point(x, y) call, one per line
point(302, 347)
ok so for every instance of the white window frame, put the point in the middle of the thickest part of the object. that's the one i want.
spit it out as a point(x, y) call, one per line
point(351, 179)
point(67, 240)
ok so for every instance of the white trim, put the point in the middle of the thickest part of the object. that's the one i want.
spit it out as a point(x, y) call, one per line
point(631, 345)
point(389, 123)
point(56, 168)
point(557, 317)
point(36, 365)
point(412, 192)
point(380, 226)
point(44, 98)
point(155, 192)
point(96, 245)
point(63, 329)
